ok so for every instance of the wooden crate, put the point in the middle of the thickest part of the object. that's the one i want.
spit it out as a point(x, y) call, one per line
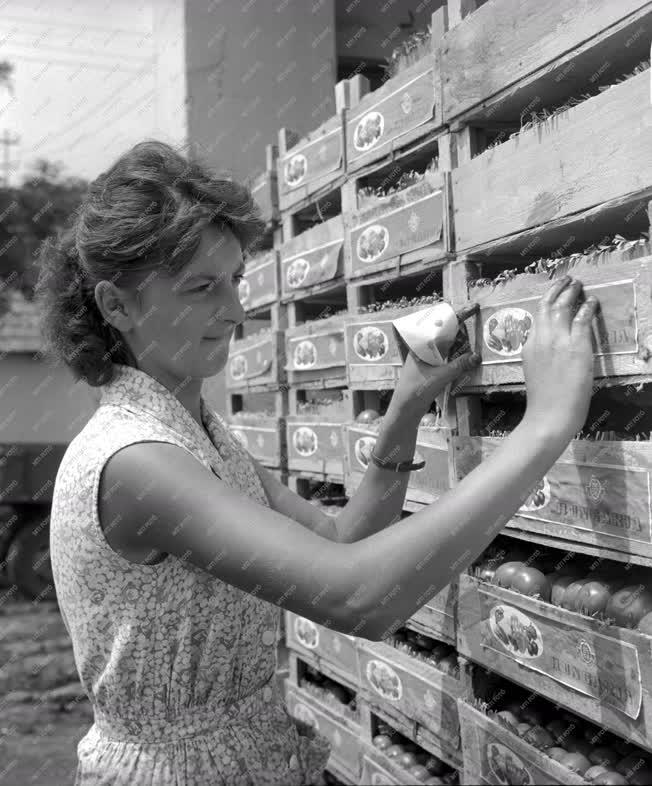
point(495, 755)
point(488, 72)
point(411, 227)
point(597, 492)
point(425, 485)
point(412, 695)
point(377, 773)
point(263, 438)
point(332, 653)
point(402, 110)
point(264, 188)
point(547, 175)
point(316, 355)
point(622, 330)
point(315, 446)
point(312, 262)
point(600, 672)
point(256, 363)
point(312, 165)
point(438, 618)
point(341, 732)
point(260, 285)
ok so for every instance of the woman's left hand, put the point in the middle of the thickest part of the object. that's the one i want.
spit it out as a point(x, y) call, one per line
point(420, 383)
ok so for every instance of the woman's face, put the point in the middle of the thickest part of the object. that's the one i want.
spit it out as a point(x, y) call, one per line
point(185, 322)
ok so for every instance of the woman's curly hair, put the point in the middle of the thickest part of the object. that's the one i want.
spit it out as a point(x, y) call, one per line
point(145, 214)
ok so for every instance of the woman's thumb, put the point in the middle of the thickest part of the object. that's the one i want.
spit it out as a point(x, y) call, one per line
point(466, 362)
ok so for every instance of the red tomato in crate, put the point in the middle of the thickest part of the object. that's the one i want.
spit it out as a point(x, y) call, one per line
point(522, 729)
point(605, 756)
point(407, 760)
point(558, 588)
point(381, 742)
point(394, 751)
point(610, 778)
point(539, 737)
point(429, 420)
point(576, 762)
point(592, 599)
point(594, 771)
point(629, 605)
point(435, 766)
point(449, 665)
point(556, 753)
point(419, 773)
point(367, 416)
point(530, 581)
point(571, 593)
point(558, 728)
point(577, 745)
point(504, 575)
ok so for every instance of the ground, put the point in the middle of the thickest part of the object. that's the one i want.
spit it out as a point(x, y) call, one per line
point(43, 711)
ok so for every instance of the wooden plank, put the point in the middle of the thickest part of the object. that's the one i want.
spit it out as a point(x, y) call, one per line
point(316, 353)
point(256, 362)
point(260, 285)
point(438, 617)
point(549, 171)
point(599, 671)
point(483, 57)
point(263, 438)
point(622, 329)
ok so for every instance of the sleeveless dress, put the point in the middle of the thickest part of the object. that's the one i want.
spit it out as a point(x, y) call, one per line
point(178, 665)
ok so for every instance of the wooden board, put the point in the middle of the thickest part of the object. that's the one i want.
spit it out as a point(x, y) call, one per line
point(260, 285)
point(256, 362)
point(597, 492)
point(550, 171)
point(482, 57)
point(315, 161)
point(494, 755)
point(261, 438)
point(438, 618)
point(404, 686)
point(399, 229)
point(325, 646)
point(314, 445)
point(601, 672)
point(342, 734)
point(316, 353)
point(375, 773)
point(404, 108)
point(622, 330)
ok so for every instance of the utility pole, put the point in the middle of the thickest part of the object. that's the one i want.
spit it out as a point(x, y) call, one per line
point(6, 141)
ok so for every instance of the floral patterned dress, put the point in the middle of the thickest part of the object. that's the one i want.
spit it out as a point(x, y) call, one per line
point(178, 665)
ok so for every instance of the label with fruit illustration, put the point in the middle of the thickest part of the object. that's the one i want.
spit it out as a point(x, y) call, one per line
point(501, 765)
point(370, 343)
point(252, 361)
point(578, 494)
point(362, 451)
point(505, 326)
point(593, 664)
point(304, 441)
point(322, 263)
point(316, 350)
point(516, 631)
point(402, 110)
point(306, 632)
point(259, 285)
point(384, 680)
point(411, 226)
point(261, 441)
point(310, 161)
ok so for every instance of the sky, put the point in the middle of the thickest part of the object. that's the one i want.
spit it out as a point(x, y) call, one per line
point(87, 80)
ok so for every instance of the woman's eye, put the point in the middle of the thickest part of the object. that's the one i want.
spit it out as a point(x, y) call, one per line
point(203, 287)
point(238, 278)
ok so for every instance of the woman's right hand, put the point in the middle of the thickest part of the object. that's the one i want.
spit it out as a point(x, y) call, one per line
point(558, 359)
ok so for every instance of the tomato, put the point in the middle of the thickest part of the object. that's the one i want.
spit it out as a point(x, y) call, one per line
point(522, 729)
point(394, 751)
point(576, 762)
point(486, 571)
point(509, 717)
point(436, 766)
point(449, 665)
point(610, 778)
point(419, 773)
point(645, 624)
point(594, 771)
point(558, 729)
point(629, 605)
point(558, 587)
point(605, 756)
point(530, 581)
point(381, 741)
point(539, 737)
point(340, 693)
point(504, 575)
point(407, 760)
point(429, 420)
point(556, 752)
point(630, 764)
point(569, 599)
point(576, 745)
point(367, 416)
point(592, 599)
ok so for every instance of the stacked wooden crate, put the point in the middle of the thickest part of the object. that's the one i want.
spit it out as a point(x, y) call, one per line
point(486, 166)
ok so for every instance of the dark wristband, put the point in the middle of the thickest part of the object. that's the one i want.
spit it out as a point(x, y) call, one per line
point(396, 466)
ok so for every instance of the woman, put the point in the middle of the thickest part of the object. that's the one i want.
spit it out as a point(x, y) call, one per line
point(174, 551)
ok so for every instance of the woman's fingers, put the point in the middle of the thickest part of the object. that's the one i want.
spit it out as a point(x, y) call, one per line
point(548, 300)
